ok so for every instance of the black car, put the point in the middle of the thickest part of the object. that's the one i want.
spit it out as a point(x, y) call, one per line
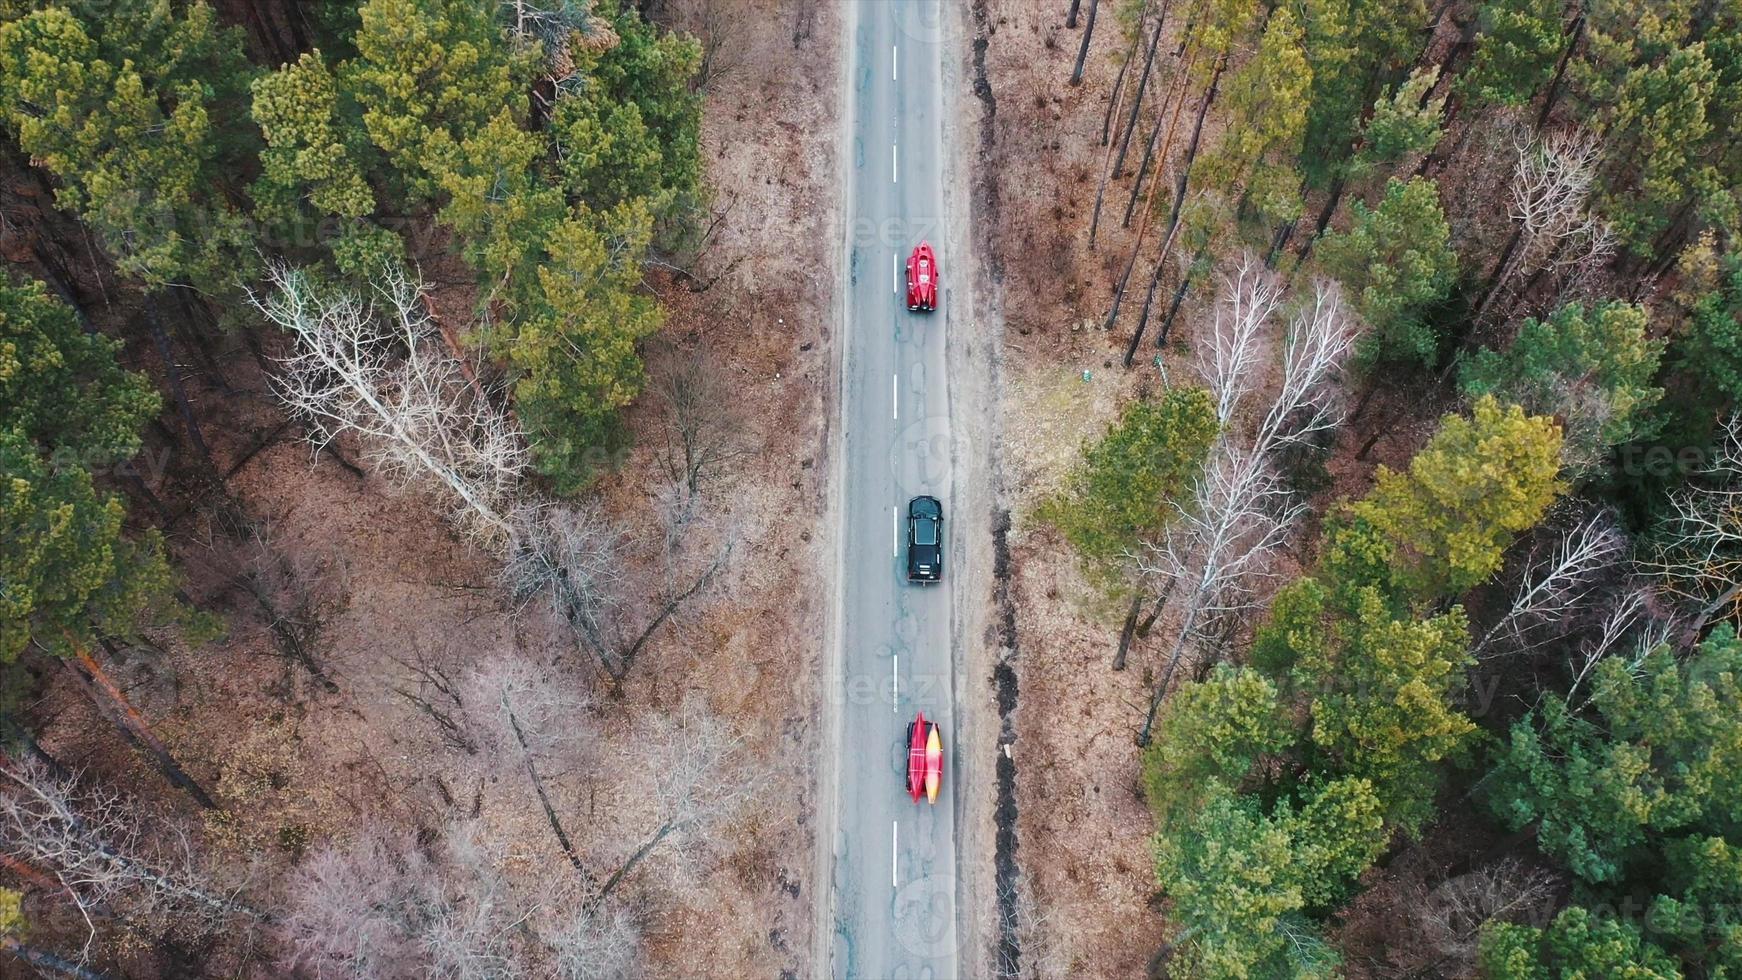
point(925, 539)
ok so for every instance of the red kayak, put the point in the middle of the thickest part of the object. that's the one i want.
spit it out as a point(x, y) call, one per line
point(925, 759)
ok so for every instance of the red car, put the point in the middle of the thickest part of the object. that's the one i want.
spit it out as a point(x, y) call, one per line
point(925, 759)
point(922, 279)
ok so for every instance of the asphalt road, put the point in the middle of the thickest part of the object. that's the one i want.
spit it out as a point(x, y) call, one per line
point(894, 901)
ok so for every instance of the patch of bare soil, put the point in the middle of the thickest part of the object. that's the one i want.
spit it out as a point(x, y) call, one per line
point(386, 605)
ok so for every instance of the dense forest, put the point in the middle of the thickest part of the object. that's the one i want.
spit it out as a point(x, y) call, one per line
point(415, 237)
point(1511, 225)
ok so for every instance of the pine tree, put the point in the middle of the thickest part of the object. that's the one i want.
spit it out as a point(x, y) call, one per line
point(1267, 99)
point(1403, 124)
point(1352, 47)
point(316, 165)
point(1128, 484)
point(1575, 945)
point(1592, 369)
point(138, 113)
point(1445, 523)
point(428, 75)
point(1236, 892)
point(576, 351)
point(1661, 757)
point(1214, 732)
point(1711, 347)
point(1398, 261)
point(1517, 45)
point(1656, 131)
point(61, 388)
point(68, 408)
point(68, 569)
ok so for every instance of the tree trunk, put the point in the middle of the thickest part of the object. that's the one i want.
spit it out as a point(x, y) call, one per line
point(1142, 87)
point(1106, 171)
point(1178, 88)
point(665, 829)
point(1180, 185)
point(1179, 297)
point(1502, 271)
point(1126, 633)
point(1332, 199)
point(1083, 52)
point(1136, 246)
point(1279, 242)
point(1148, 623)
point(172, 373)
point(1367, 394)
point(1367, 447)
point(1160, 692)
point(556, 824)
point(107, 696)
point(1113, 102)
point(18, 733)
point(47, 962)
point(1071, 18)
point(625, 660)
point(1576, 32)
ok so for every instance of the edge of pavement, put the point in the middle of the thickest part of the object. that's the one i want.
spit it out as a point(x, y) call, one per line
point(973, 306)
point(829, 679)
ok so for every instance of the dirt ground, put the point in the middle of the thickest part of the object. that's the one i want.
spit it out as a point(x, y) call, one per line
point(377, 587)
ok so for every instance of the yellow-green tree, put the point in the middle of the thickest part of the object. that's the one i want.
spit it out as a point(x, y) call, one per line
point(1444, 524)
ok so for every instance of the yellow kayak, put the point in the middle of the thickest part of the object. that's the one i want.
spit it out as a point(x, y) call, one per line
point(934, 764)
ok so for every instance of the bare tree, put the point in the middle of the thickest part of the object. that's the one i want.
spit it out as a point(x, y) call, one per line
point(700, 778)
point(703, 431)
point(719, 26)
point(1553, 584)
point(533, 714)
point(390, 903)
point(596, 944)
point(377, 370)
point(1454, 913)
point(1698, 550)
point(1630, 615)
point(386, 905)
point(1555, 227)
point(1223, 543)
point(573, 559)
point(108, 853)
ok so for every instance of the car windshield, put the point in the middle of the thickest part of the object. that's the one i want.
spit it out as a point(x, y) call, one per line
point(925, 531)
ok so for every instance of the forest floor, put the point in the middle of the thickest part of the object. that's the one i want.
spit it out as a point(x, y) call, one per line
point(386, 600)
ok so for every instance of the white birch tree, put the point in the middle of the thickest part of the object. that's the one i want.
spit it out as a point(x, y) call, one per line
point(1222, 546)
point(376, 369)
point(1553, 585)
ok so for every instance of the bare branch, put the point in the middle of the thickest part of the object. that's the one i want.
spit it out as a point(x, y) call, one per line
point(1223, 544)
point(701, 777)
point(1454, 913)
point(1698, 553)
point(378, 371)
point(95, 843)
point(573, 559)
point(1552, 586)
